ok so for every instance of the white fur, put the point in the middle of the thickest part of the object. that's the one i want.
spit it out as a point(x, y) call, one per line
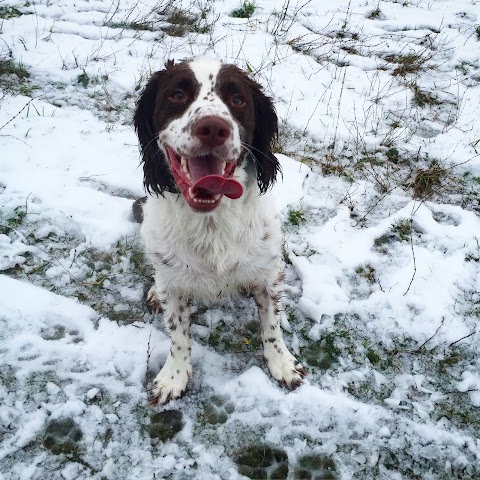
point(212, 255)
point(206, 256)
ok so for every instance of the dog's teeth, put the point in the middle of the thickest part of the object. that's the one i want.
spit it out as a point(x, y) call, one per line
point(188, 176)
point(217, 197)
point(190, 192)
point(203, 200)
point(185, 165)
point(224, 164)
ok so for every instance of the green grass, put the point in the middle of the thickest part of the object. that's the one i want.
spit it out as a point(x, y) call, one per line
point(94, 277)
point(9, 12)
point(403, 228)
point(367, 272)
point(13, 221)
point(393, 155)
point(83, 79)
point(323, 353)
point(375, 14)
point(14, 77)
point(422, 98)
point(9, 67)
point(245, 10)
point(464, 67)
point(295, 217)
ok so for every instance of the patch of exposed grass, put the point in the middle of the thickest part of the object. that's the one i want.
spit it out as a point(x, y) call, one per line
point(315, 466)
point(95, 277)
point(392, 155)
point(244, 338)
point(427, 181)
point(27, 89)
point(8, 68)
point(375, 14)
point(367, 272)
point(11, 222)
point(183, 22)
point(323, 353)
point(245, 10)
point(464, 67)
point(14, 77)
point(216, 410)
point(400, 231)
point(295, 217)
point(422, 98)
point(403, 228)
point(262, 461)
point(137, 26)
point(83, 79)
point(9, 12)
point(334, 164)
point(407, 64)
point(471, 191)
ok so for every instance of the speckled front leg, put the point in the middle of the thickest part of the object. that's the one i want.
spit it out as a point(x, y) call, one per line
point(172, 379)
point(283, 366)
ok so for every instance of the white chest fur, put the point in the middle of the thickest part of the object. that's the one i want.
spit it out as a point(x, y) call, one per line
point(206, 256)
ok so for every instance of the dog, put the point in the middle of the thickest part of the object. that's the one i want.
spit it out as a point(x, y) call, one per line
point(209, 226)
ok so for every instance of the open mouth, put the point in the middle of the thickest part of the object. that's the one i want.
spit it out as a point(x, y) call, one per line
point(204, 180)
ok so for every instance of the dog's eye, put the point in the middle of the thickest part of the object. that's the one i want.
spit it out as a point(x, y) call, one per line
point(178, 96)
point(237, 100)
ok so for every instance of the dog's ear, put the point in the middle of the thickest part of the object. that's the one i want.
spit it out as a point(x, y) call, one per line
point(156, 175)
point(264, 135)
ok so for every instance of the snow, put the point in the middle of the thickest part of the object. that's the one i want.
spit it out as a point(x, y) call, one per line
point(382, 298)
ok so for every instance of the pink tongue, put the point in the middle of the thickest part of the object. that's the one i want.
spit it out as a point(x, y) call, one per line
point(216, 184)
point(207, 178)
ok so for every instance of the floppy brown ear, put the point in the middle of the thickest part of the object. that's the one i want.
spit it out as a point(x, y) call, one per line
point(156, 175)
point(264, 135)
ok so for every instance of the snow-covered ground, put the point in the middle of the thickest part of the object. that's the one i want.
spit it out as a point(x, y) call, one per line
point(379, 114)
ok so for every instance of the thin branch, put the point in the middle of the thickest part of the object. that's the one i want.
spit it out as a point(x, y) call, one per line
point(463, 338)
point(413, 255)
point(428, 339)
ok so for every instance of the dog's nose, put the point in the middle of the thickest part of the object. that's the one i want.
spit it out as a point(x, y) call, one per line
point(212, 131)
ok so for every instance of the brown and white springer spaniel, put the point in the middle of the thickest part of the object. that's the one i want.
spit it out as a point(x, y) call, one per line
point(210, 230)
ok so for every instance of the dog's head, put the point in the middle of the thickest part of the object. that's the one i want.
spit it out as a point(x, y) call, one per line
point(198, 122)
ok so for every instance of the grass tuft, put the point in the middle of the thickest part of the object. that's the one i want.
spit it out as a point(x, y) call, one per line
point(393, 155)
point(137, 26)
point(367, 272)
point(403, 228)
point(427, 180)
point(183, 22)
point(422, 98)
point(375, 14)
point(83, 79)
point(246, 10)
point(14, 77)
point(408, 64)
point(295, 217)
point(13, 221)
point(9, 12)
point(9, 67)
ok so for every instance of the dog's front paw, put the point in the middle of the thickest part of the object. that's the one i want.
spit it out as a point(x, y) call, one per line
point(154, 303)
point(170, 383)
point(284, 367)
